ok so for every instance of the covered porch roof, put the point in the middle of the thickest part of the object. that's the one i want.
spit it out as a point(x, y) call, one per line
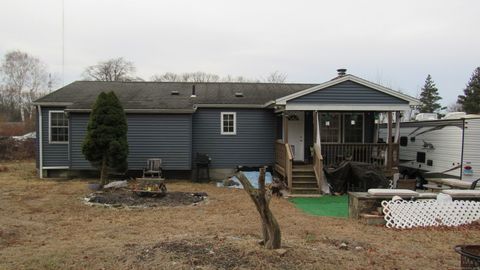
point(346, 93)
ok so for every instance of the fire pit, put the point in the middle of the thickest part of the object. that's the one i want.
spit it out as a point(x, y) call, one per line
point(144, 193)
point(150, 187)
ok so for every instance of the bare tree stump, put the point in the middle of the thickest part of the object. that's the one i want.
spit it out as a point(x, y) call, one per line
point(272, 238)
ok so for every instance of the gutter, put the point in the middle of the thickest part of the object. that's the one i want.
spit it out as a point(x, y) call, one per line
point(171, 111)
point(251, 106)
point(46, 104)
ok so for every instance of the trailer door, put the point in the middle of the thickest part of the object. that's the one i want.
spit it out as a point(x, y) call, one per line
point(471, 150)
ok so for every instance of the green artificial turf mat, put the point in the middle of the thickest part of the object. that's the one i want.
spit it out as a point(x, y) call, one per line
point(326, 206)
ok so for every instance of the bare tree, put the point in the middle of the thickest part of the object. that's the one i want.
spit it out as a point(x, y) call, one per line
point(276, 77)
point(455, 107)
point(167, 77)
point(24, 79)
point(230, 78)
point(200, 76)
point(112, 70)
point(272, 237)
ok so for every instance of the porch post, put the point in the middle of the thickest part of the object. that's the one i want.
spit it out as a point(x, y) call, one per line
point(397, 126)
point(316, 126)
point(389, 141)
point(285, 127)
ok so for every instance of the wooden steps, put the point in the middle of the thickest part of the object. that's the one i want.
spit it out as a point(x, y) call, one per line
point(304, 180)
point(371, 219)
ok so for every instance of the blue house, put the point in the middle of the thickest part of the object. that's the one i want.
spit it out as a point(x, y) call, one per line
point(293, 127)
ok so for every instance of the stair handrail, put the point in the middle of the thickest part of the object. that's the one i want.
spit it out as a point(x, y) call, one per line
point(318, 165)
point(288, 165)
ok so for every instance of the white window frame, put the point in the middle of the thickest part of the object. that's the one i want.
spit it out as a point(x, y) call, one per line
point(222, 132)
point(50, 141)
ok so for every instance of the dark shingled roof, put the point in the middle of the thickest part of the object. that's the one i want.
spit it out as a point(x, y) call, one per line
point(157, 95)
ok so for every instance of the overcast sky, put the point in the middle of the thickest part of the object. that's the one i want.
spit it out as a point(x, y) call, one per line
point(395, 43)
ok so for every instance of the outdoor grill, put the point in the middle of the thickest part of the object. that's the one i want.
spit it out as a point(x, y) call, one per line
point(202, 163)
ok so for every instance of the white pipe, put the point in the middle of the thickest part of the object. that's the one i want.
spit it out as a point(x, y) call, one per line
point(40, 141)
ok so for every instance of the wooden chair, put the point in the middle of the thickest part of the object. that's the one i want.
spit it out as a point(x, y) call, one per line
point(153, 169)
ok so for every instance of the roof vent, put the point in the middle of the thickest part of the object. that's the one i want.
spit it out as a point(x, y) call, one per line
point(193, 91)
point(175, 93)
point(238, 94)
point(342, 71)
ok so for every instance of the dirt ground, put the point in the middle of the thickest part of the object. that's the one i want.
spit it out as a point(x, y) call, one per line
point(45, 224)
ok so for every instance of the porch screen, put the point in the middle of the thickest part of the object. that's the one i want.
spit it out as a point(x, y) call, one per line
point(330, 127)
point(353, 128)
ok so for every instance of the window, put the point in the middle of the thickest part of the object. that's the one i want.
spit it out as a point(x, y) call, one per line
point(58, 127)
point(353, 124)
point(403, 141)
point(421, 157)
point(228, 123)
point(330, 127)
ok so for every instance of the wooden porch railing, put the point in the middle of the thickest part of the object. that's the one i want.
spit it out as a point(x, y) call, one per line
point(374, 153)
point(284, 161)
point(318, 166)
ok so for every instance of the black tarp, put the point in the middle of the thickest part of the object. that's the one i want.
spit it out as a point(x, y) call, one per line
point(355, 176)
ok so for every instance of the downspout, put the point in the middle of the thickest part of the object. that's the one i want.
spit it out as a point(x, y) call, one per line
point(40, 142)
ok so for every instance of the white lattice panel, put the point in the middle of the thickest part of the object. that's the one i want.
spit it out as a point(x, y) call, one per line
point(400, 214)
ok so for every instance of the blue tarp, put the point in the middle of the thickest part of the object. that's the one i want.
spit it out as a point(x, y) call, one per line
point(252, 178)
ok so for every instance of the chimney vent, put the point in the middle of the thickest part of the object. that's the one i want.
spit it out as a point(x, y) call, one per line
point(342, 71)
point(193, 91)
point(175, 93)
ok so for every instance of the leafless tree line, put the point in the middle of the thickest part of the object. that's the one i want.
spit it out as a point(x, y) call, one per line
point(200, 76)
point(119, 69)
point(23, 78)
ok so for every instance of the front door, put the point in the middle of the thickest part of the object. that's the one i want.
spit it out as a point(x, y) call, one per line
point(296, 128)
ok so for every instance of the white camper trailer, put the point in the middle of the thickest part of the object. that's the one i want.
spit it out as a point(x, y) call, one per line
point(448, 147)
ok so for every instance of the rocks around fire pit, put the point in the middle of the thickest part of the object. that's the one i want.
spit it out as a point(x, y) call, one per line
point(126, 198)
point(116, 184)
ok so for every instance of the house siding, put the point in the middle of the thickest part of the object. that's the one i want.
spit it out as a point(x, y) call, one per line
point(347, 92)
point(54, 154)
point(165, 136)
point(253, 144)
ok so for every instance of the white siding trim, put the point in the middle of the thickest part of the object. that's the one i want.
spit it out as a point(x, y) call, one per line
point(347, 107)
point(55, 167)
point(234, 123)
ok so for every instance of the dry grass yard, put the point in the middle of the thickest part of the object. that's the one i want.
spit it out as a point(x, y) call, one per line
point(44, 224)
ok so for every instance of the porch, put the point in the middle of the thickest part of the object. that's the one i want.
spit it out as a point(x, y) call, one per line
point(309, 141)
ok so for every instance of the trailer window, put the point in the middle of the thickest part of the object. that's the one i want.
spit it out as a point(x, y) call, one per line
point(421, 157)
point(403, 141)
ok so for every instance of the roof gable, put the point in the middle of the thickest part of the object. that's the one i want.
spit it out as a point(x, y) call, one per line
point(347, 92)
point(344, 86)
